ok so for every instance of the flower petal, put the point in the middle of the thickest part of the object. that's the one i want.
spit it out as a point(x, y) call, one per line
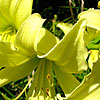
point(70, 52)
point(93, 17)
point(32, 38)
point(15, 73)
point(4, 23)
point(67, 82)
point(94, 55)
point(90, 88)
point(16, 11)
point(9, 56)
point(65, 27)
point(46, 41)
point(26, 37)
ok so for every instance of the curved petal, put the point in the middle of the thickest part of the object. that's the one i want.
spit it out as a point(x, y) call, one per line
point(46, 41)
point(70, 52)
point(93, 17)
point(66, 80)
point(15, 11)
point(9, 56)
point(32, 38)
point(90, 88)
point(27, 36)
point(15, 73)
point(42, 87)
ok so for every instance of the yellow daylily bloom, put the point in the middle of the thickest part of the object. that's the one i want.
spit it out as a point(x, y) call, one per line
point(31, 41)
point(36, 48)
point(12, 14)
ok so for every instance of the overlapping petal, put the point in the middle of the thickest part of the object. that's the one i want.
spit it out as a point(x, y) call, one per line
point(32, 38)
point(93, 17)
point(70, 53)
point(14, 12)
point(90, 88)
point(26, 37)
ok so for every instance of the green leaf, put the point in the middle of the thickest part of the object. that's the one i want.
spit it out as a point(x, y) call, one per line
point(92, 46)
point(15, 73)
point(14, 11)
point(90, 88)
point(70, 53)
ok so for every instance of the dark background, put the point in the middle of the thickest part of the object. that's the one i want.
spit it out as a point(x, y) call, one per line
point(47, 8)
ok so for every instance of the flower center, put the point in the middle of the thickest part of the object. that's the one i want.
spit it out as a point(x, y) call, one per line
point(8, 35)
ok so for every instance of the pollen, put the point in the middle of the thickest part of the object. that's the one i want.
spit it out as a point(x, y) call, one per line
point(48, 76)
point(47, 91)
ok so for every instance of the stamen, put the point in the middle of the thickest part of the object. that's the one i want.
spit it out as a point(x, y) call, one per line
point(8, 34)
point(48, 76)
point(47, 91)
